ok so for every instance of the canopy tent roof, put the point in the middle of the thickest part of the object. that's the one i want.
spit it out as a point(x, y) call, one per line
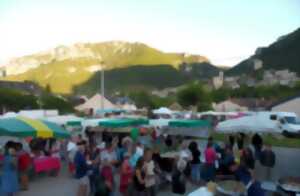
point(115, 122)
point(95, 104)
point(112, 110)
point(247, 124)
point(69, 120)
point(129, 107)
point(188, 123)
point(25, 127)
point(163, 110)
point(123, 122)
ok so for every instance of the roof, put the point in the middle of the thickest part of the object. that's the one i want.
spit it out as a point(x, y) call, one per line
point(284, 100)
point(252, 102)
point(95, 103)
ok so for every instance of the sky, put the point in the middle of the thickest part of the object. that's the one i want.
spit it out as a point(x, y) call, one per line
point(225, 31)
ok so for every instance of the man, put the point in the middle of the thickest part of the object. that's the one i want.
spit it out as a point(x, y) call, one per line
point(267, 159)
point(81, 169)
point(257, 143)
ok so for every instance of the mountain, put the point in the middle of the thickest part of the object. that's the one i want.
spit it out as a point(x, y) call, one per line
point(282, 54)
point(66, 67)
point(147, 77)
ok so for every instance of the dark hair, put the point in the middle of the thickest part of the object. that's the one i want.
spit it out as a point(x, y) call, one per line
point(139, 163)
point(193, 146)
point(209, 144)
point(210, 139)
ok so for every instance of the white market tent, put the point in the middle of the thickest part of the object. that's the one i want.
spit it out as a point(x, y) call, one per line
point(34, 114)
point(163, 110)
point(70, 120)
point(94, 103)
point(128, 107)
point(247, 124)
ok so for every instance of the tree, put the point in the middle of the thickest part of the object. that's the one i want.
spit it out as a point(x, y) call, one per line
point(49, 101)
point(142, 99)
point(194, 95)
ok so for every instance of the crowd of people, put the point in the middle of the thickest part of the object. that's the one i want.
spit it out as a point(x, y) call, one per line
point(135, 166)
point(132, 168)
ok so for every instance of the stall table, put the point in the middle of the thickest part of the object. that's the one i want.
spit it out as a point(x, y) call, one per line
point(46, 164)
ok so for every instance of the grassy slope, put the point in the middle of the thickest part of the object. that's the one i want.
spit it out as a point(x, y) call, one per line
point(282, 54)
point(57, 73)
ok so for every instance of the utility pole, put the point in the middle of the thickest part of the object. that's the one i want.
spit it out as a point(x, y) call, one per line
point(102, 86)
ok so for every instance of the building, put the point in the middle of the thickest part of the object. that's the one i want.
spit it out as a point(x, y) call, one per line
point(231, 82)
point(218, 80)
point(258, 64)
point(282, 77)
point(228, 106)
point(290, 104)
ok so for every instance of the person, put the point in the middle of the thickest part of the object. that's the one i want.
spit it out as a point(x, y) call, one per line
point(268, 159)
point(240, 141)
point(139, 178)
point(248, 157)
point(81, 169)
point(102, 188)
point(178, 180)
point(257, 143)
point(24, 162)
point(227, 161)
point(195, 162)
point(134, 156)
point(95, 163)
point(125, 175)
point(210, 158)
point(71, 151)
point(9, 177)
point(109, 154)
point(231, 140)
point(109, 157)
point(107, 174)
point(149, 171)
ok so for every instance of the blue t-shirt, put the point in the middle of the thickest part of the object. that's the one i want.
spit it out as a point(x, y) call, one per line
point(80, 165)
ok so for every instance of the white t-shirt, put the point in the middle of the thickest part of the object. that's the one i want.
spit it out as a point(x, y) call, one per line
point(150, 177)
point(108, 156)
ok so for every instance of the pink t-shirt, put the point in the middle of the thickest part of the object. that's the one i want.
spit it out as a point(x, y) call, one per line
point(210, 155)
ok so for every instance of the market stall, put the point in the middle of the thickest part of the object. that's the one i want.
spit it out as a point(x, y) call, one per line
point(194, 128)
point(28, 128)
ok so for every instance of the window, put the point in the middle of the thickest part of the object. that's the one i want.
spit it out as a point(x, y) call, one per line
point(273, 117)
point(291, 120)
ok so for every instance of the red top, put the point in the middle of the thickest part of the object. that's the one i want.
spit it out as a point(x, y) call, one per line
point(210, 155)
point(126, 173)
point(107, 173)
point(24, 161)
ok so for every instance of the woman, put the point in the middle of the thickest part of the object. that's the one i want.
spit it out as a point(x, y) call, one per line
point(9, 179)
point(195, 162)
point(210, 158)
point(139, 178)
point(125, 175)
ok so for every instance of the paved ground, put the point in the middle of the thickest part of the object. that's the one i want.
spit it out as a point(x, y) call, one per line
point(288, 163)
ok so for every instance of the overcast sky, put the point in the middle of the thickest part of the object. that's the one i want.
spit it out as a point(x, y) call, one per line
point(226, 31)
